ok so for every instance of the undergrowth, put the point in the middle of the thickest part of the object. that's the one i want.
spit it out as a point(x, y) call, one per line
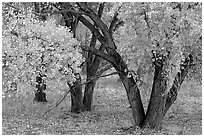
point(110, 114)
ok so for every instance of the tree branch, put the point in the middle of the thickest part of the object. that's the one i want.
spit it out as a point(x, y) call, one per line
point(92, 28)
point(100, 10)
point(66, 93)
point(104, 68)
point(90, 62)
point(99, 53)
point(172, 94)
point(115, 21)
point(99, 23)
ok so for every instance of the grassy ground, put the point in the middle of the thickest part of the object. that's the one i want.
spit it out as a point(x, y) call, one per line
point(110, 115)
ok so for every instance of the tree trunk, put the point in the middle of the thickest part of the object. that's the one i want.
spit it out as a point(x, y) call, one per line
point(40, 95)
point(172, 94)
point(154, 115)
point(161, 100)
point(92, 73)
point(134, 98)
point(76, 96)
point(89, 87)
point(88, 95)
point(92, 65)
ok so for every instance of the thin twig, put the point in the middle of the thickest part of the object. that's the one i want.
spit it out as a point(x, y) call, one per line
point(66, 93)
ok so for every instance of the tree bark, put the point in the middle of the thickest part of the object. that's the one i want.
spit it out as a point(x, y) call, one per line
point(172, 94)
point(154, 115)
point(76, 96)
point(161, 100)
point(134, 98)
point(88, 95)
point(116, 60)
point(40, 95)
point(93, 63)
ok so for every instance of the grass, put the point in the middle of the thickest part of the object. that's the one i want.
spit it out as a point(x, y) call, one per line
point(110, 114)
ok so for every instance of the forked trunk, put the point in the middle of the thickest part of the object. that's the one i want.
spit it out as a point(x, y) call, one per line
point(161, 100)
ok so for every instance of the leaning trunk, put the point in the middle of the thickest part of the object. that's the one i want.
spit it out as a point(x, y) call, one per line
point(172, 94)
point(40, 95)
point(134, 98)
point(76, 96)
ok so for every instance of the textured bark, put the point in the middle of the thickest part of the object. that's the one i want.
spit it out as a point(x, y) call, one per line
point(161, 100)
point(134, 98)
point(172, 94)
point(76, 96)
point(92, 65)
point(154, 115)
point(88, 95)
point(40, 95)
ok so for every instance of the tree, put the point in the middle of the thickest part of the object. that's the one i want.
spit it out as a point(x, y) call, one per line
point(40, 48)
point(92, 62)
point(159, 36)
point(164, 33)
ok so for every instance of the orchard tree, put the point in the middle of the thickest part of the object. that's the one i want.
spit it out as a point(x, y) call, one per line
point(92, 62)
point(166, 32)
point(39, 48)
point(158, 38)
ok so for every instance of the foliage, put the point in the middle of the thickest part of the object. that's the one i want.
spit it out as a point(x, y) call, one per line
point(163, 28)
point(150, 32)
point(31, 46)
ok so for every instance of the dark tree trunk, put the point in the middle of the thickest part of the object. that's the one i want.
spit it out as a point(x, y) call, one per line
point(134, 98)
point(161, 100)
point(92, 66)
point(115, 59)
point(88, 95)
point(89, 87)
point(172, 94)
point(76, 96)
point(40, 95)
point(154, 114)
